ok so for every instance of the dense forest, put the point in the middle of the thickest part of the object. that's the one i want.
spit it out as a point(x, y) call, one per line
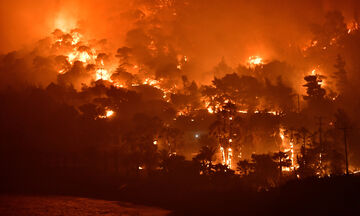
point(74, 113)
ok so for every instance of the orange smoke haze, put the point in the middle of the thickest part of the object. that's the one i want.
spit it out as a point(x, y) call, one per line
point(222, 23)
point(24, 21)
point(204, 30)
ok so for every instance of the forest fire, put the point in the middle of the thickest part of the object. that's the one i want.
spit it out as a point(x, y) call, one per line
point(221, 97)
point(108, 114)
point(255, 60)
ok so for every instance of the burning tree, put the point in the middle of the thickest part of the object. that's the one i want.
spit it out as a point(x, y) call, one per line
point(245, 167)
point(206, 155)
point(313, 88)
point(225, 133)
point(282, 160)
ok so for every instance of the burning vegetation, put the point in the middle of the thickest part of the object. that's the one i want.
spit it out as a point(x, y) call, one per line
point(147, 106)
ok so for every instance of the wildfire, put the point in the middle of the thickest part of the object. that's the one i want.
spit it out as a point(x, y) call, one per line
point(82, 51)
point(108, 114)
point(353, 26)
point(282, 136)
point(321, 83)
point(229, 156)
point(83, 54)
point(210, 110)
point(292, 153)
point(181, 61)
point(223, 155)
point(226, 156)
point(103, 74)
point(288, 148)
point(152, 82)
point(76, 38)
point(255, 60)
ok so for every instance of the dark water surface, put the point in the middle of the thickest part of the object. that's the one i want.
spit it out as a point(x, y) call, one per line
point(16, 205)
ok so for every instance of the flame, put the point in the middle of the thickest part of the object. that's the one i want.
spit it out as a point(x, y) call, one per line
point(353, 26)
point(282, 136)
point(313, 72)
point(223, 155)
point(228, 162)
point(103, 74)
point(88, 57)
point(152, 82)
point(273, 112)
point(292, 154)
point(287, 148)
point(255, 60)
point(210, 110)
point(108, 114)
point(311, 43)
point(76, 38)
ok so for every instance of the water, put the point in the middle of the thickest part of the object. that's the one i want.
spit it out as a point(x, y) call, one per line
point(14, 205)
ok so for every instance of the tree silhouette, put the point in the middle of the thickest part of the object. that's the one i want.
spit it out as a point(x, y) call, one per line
point(340, 75)
point(282, 161)
point(313, 89)
point(245, 167)
point(343, 123)
point(265, 170)
point(205, 158)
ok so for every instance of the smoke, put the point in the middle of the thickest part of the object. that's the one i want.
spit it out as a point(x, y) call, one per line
point(168, 41)
point(220, 26)
point(204, 31)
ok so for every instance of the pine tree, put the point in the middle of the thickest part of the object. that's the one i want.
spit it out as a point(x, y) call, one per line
point(339, 75)
point(313, 87)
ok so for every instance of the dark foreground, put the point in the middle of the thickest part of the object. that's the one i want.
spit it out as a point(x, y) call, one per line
point(16, 205)
point(329, 196)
